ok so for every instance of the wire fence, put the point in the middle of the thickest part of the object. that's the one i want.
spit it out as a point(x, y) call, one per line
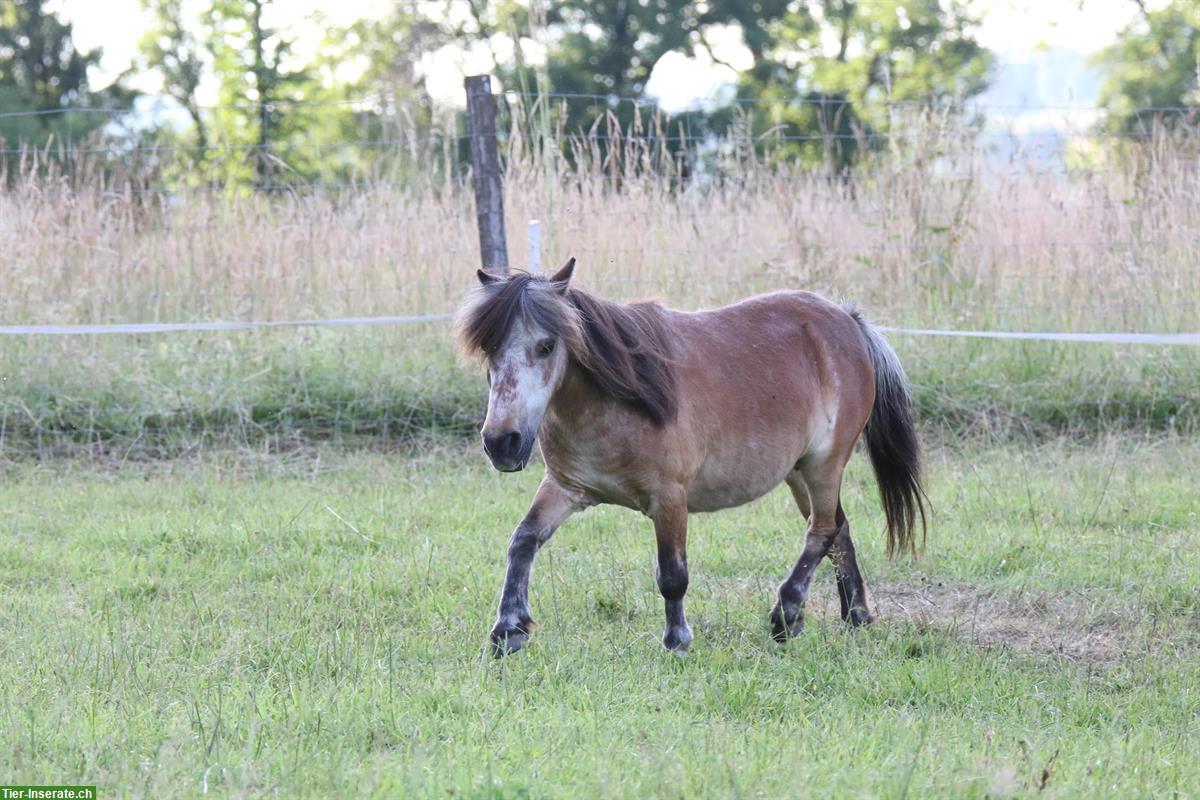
point(394, 106)
point(1064, 297)
point(351, 144)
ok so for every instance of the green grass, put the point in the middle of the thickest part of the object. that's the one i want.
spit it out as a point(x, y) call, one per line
point(315, 624)
point(160, 396)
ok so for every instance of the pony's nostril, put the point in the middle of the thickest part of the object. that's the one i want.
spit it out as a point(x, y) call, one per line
point(504, 445)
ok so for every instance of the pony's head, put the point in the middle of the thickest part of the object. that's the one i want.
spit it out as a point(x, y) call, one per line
point(532, 330)
point(526, 329)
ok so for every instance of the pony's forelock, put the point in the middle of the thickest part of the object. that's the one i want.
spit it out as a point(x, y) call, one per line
point(487, 317)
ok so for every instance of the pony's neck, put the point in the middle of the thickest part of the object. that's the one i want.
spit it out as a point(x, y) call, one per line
point(577, 410)
point(578, 425)
point(575, 398)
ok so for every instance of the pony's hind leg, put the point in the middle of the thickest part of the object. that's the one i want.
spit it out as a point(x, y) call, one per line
point(852, 589)
point(795, 482)
point(816, 488)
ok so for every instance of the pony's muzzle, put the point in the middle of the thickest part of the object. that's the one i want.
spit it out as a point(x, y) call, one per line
point(509, 451)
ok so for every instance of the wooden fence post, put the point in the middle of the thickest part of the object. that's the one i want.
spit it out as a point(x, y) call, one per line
point(485, 166)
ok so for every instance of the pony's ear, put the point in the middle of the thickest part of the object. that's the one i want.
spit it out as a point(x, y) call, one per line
point(563, 276)
point(486, 277)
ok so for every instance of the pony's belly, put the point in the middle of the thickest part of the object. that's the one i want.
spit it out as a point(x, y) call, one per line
point(727, 491)
point(741, 466)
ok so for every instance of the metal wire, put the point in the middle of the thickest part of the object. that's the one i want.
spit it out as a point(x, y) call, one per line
point(378, 106)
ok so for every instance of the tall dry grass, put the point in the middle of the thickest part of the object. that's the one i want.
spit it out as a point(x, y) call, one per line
point(939, 234)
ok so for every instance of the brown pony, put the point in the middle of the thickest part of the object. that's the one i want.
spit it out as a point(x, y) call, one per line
point(669, 413)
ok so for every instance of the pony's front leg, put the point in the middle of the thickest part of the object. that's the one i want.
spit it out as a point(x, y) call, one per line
point(670, 528)
point(552, 505)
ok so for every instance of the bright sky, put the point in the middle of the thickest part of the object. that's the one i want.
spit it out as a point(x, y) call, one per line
point(1016, 29)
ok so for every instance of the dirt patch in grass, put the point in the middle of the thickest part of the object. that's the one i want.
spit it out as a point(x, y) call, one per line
point(1072, 624)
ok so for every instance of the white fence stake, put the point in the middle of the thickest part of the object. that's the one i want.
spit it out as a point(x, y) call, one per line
point(535, 247)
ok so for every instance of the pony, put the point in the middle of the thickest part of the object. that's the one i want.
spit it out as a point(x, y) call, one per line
point(671, 413)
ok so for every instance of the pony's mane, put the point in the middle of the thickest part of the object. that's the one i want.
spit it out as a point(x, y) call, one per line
point(624, 349)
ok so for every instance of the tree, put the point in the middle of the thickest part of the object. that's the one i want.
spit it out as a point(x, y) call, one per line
point(609, 48)
point(177, 54)
point(392, 103)
point(41, 70)
point(825, 69)
point(259, 83)
point(278, 114)
point(828, 71)
point(390, 49)
point(1152, 69)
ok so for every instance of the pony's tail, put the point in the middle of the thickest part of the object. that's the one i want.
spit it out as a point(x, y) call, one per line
point(891, 436)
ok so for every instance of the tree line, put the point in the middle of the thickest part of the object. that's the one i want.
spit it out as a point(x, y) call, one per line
point(822, 77)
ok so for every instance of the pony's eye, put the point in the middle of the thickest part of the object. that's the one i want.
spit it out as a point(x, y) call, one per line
point(545, 347)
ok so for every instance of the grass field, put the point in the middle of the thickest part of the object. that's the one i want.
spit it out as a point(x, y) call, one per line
point(265, 563)
point(154, 396)
point(314, 625)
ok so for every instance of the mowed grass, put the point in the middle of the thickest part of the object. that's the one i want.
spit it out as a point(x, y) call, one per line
point(315, 625)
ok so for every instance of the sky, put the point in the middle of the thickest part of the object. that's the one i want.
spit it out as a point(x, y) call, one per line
point(1042, 45)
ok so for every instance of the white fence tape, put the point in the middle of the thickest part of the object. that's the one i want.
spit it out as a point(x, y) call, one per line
point(348, 322)
point(1110, 338)
point(178, 327)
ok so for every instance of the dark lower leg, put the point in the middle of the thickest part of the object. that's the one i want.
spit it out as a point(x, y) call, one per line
point(816, 488)
point(673, 583)
point(513, 620)
point(551, 507)
point(787, 617)
point(513, 614)
point(670, 529)
point(852, 589)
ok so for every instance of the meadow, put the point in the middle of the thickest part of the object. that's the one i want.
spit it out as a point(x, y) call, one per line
point(315, 625)
point(265, 563)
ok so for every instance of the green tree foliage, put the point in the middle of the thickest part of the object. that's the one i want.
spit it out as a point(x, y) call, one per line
point(609, 48)
point(260, 88)
point(825, 69)
point(280, 118)
point(1153, 68)
point(394, 116)
point(829, 73)
point(41, 70)
point(172, 48)
point(825, 74)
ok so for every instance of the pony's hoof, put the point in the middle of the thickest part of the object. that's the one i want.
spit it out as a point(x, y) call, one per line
point(508, 639)
point(508, 642)
point(785, 625)
point(858, 616)
point(678, 640)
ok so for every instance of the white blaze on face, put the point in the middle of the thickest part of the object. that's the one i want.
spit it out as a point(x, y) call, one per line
point(523, 377)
